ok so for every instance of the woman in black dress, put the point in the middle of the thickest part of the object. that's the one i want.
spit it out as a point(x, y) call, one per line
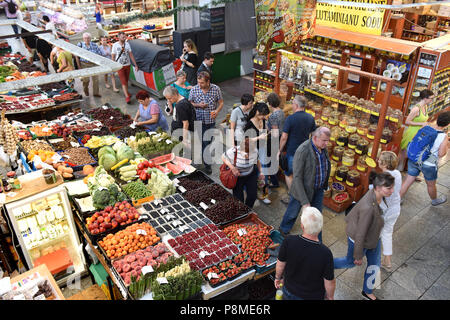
point(189, 59)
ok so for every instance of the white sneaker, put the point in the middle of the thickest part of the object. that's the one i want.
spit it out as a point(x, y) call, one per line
point(439, 201)
point(266, 201)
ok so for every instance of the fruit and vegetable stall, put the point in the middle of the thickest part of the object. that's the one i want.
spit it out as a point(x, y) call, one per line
point(161, 229)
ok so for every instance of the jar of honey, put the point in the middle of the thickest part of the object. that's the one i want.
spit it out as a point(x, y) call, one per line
point(386, 135)
point(317, 109)
point(363, 127)
point(326, 114)
point(330, 147)
point(353, 140)
point(353, 178)
point(344, 121)
point(372, 131)
point(335, 132)
point(351, 125)
point(338, 152)
point(342, 139)
point(395, 120)
point(341, 173)
point(348, 158)
point(361, 164)
point(319, 123)
point(334, 118)
point(362, 146)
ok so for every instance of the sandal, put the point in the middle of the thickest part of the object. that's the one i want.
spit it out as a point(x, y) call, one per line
point(388, 268)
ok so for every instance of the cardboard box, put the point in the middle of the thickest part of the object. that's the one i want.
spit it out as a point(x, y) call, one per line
point(431, 25)
point(444, 10)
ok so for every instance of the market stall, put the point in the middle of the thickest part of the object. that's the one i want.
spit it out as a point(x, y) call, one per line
point(358, 125)
point(157, 66)
point(35, 284)
point(161, 229)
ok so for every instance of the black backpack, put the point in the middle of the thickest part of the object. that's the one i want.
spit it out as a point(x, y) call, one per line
point(12, 7)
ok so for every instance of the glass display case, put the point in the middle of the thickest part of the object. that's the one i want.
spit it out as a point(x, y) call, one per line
point(46, 232)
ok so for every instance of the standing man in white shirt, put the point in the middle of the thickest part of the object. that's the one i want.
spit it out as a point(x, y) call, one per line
point(121, 52)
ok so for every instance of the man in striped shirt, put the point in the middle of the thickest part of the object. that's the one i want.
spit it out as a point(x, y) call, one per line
point(207, 101)
point(88, 45)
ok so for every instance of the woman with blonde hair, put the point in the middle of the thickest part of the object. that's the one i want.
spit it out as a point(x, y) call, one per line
point(189, 59)
point(391, 207)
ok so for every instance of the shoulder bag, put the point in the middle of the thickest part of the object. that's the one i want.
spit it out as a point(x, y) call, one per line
point(227, 177)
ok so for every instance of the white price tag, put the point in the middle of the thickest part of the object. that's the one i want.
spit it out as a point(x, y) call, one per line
point(151, 133)
point(111, 118)
point(159, 140)
point(213, 201)
point(56, 158)
point(203, 205)
point(347, 51)
point(105, 107)
point(169, 216)
point(162, 280)
point(203, 254)
point(182, 228)
point(133, 125)
point(182, 189)
point(212, 275)
point(169, 141)
point(102, 188)
point(142, 232)
point(19, 297)
point(241, 232)
point(46, 129)
point(357, 53)
point(40, 297)
point(74, 144)
point(368, 56)
point(146, 269)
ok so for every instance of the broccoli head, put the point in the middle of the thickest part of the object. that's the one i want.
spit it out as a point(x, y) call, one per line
point(101, 198)
point(113, 190)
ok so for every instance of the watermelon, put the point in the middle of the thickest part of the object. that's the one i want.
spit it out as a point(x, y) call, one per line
point(184, 160)
point(163, 159)
point(186, 167)
point(174, 168)
point(163, 169)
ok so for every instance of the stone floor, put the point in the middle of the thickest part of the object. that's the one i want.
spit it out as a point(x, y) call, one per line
point(421, 240)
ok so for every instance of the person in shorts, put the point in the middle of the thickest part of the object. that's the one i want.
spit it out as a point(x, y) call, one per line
point(429, 167)
point(121, 52)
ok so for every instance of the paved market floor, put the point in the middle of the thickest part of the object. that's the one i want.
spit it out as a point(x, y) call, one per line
point(421, 240)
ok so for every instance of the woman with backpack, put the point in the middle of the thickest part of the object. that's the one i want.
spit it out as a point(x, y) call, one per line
point(11, 9)
point(417, 118)
point(429, 167)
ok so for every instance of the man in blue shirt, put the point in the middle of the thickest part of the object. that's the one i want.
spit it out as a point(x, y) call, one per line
point(83, 63)
point(296, 130)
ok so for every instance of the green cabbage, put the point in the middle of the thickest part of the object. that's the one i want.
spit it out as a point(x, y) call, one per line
point(107, 161)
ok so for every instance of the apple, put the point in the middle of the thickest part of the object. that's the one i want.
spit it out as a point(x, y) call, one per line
point(107, 219)
point(100, 219)
point(102, 230)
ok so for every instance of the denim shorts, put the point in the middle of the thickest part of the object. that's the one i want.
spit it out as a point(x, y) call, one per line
point(429, 172)
point(290, 161)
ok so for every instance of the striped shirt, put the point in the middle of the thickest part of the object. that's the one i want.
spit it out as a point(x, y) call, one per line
point(243, 164)
point(211, 97)
point(92, 48)
point(321, 168)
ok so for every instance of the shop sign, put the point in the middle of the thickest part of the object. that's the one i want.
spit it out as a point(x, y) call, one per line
point(357, 19)
point(282, 23)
